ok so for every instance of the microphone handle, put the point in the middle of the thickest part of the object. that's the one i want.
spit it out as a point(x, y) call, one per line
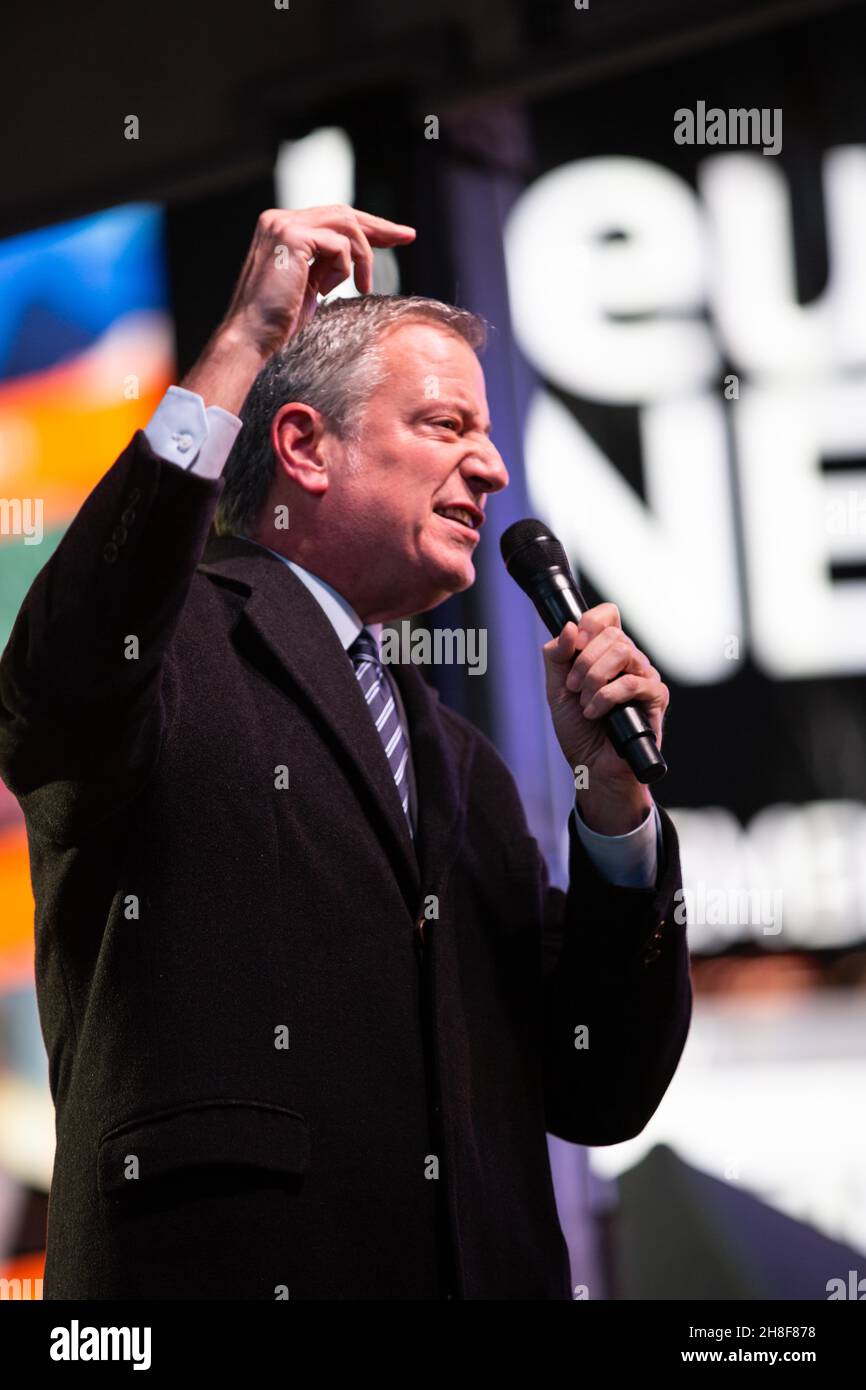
point(559, 601)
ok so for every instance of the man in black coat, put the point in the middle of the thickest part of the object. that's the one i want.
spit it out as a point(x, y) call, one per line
point(309, 1001)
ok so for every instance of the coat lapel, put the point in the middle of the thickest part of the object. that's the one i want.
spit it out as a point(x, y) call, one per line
point(289, 622)
point(441, 763)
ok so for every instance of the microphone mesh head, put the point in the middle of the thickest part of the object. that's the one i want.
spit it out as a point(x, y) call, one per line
point(528, 547)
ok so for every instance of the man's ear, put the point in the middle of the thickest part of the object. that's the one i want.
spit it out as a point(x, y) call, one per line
point(297, 436)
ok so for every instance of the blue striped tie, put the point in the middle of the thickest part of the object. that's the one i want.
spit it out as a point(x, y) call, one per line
point(371, 678)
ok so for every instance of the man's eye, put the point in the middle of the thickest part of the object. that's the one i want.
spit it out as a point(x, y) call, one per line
point(454, 424)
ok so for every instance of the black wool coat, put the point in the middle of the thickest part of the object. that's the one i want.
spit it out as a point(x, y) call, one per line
point(273, 1075)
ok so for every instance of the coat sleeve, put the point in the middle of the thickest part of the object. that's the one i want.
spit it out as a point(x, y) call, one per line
point(83, 707)
point(617, 997)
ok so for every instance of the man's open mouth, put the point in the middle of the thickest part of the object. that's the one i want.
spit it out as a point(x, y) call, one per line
point(464, 516)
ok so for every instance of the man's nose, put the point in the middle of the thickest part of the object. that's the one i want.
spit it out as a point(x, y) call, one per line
point(485, 464)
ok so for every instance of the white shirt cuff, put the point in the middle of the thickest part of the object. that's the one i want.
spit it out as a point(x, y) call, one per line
point(630, 860)
point(182, 431)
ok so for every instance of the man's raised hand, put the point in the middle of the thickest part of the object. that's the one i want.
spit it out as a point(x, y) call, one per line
point(295, 256)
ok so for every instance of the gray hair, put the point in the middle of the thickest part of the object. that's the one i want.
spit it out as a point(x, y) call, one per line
point(334, 365)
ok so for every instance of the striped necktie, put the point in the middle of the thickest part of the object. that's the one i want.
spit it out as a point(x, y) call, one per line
point(380, 702)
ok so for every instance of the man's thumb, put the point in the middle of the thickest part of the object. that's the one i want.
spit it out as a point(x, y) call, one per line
point(559, 654)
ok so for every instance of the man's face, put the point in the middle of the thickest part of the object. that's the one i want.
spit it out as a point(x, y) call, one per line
point(424, 451)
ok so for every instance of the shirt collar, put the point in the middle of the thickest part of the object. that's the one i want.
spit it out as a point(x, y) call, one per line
point(338, 610)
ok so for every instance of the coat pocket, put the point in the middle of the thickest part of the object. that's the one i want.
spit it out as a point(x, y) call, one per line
point(207, 1134)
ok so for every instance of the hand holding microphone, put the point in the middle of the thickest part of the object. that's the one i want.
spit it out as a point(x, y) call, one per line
point(606, 699)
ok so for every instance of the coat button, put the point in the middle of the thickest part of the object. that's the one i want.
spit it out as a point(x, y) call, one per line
point(135, 494)
point(651, 956)
point(110, 553)
point(128, 517)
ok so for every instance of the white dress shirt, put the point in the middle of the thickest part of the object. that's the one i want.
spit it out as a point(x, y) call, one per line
point(185, 432)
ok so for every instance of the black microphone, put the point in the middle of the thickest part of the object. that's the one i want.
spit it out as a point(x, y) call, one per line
point(537, 562)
